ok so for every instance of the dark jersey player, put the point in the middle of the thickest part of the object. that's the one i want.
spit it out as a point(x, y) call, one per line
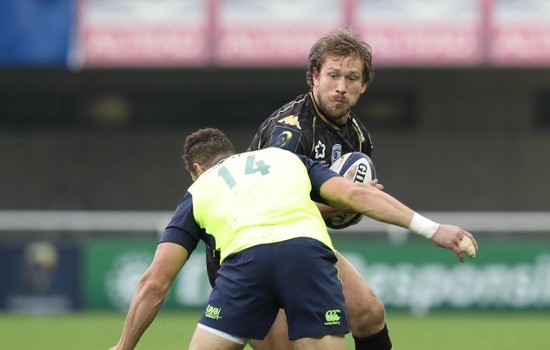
point(300, 127)
point(321, 126)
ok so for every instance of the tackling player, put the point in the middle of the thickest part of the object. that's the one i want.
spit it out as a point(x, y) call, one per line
point(276, 252)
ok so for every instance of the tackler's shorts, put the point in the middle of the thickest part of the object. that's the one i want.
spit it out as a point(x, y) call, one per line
point(298, 275)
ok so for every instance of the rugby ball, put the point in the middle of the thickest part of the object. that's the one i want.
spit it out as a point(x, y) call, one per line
point(364, 172)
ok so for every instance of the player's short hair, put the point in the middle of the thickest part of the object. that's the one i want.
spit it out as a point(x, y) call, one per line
point(340, 42)
point(206, 146)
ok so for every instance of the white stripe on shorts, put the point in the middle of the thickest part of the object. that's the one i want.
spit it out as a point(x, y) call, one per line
point(241, 341)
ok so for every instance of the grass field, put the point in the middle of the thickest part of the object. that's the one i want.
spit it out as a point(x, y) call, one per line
point(448, 331)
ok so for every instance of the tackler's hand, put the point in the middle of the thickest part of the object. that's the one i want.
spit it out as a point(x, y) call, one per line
point(456, 239)
point(375, 183)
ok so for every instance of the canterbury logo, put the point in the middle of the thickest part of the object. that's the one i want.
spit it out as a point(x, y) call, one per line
point(332, 317)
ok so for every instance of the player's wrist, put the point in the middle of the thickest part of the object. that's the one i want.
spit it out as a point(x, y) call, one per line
point(423, 226)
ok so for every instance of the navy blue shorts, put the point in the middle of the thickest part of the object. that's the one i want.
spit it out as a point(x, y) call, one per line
point(298, 275)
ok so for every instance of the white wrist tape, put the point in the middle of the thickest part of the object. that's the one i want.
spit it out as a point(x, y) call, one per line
point(423, 226)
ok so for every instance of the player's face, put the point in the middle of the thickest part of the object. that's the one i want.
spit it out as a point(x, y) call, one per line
point(338, 86)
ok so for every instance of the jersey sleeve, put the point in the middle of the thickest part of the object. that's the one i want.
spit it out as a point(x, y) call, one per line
point(288, 128)
point(272, 133)
point(183, 229)
point(318, 174)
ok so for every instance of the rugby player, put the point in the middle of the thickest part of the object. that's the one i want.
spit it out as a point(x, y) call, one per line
point(256, 209)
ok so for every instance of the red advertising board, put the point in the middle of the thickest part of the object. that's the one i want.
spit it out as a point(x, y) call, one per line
point(519, 33)
point(267, 33)
point(419, 32)
point(272, 33)
point(142, 33)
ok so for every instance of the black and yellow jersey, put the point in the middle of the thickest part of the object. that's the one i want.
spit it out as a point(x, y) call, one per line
point(300, 127)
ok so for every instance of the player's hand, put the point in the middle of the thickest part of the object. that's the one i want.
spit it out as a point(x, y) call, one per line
point(328, 212)
point(351, 171)
point(449, 236)
point(374, 183)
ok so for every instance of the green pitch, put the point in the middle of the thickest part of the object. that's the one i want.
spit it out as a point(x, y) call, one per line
point(450, 331)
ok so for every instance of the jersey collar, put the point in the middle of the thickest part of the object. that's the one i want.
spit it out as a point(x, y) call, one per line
point(335, 126)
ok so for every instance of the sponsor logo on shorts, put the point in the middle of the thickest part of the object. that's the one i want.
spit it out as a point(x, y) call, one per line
point(332, 317)
point(213, 312)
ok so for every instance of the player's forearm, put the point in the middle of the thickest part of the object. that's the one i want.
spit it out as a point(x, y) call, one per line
point(367, 200)
point(380, 206)
point(385, 208)
point(143, 310)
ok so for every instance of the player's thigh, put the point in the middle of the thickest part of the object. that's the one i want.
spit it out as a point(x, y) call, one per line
point(203, 339)
point(277, 338)
point(243, 302)
point(357, 291)
point(310, 290)
point(328, 342)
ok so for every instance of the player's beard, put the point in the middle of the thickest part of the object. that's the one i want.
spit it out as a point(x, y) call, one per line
point(333, 113)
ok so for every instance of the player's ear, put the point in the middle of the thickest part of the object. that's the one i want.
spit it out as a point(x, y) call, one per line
point(314, 74)
point(197, 170)
point(364, 87)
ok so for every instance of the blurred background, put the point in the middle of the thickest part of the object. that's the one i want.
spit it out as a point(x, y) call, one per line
point(97, 96)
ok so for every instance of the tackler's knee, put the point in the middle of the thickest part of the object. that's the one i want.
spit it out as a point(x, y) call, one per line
point(367, 317)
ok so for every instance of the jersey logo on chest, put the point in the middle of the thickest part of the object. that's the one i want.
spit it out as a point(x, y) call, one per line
point(285, 138)
point(320, 150)
point(291, 120)
point(336, 152)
